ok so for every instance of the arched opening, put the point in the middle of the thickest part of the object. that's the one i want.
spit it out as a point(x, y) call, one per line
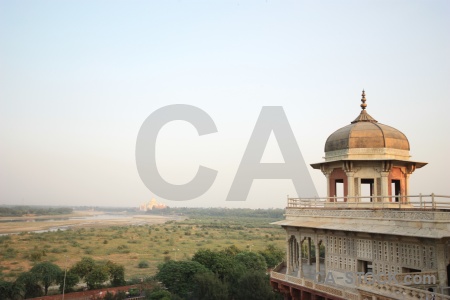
point(293, 254)
point(395, 188)
point(339, 188)
point(312, 259)
point(367, 190)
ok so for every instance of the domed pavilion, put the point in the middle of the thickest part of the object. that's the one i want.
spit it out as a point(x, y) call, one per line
point(368, 239)
point(366, 152)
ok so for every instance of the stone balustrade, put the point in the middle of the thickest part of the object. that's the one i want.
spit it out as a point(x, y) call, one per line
point(313, 285)
point(422, 202)
point(394, 214)
point(396, 291)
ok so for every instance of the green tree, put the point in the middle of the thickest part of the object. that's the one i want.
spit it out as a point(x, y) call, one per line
point(272, 255)
point(96, 277)
point(11, 290)
point(116, 273)
point(28, 284)
point(218, 262)
point(83, 267)
point(178, 276)
point(208, 286)
point(72, 280)
point(251, 261)
point(95, 274)
point(231, 250)
point(5, 289)
point(16, 292)
point(253, 286)
point(46, 273)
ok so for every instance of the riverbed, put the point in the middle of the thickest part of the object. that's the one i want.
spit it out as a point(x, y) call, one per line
point(85, 219)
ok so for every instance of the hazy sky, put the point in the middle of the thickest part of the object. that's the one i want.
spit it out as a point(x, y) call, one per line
point(78, 78)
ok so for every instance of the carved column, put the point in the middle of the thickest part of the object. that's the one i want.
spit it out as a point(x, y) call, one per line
point(309, 251)
point(384, 186)
point(406, 193)
point(326, 171)
point(295, 251)
point(288, 254)
point(300, 267)
point(409, 170)
point(350, 186)
point(386, 167)
point(317, 257)
point(350, 172)
point(441, 264)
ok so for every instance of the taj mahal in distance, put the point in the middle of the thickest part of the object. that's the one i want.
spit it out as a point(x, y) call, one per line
point(387, 244)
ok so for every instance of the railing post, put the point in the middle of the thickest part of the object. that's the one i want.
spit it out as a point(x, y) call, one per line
point(420, 197)
point(432, 201)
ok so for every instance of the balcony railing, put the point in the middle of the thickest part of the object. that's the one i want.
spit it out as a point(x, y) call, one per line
point(343, 292)
point(394, 291)
point(425, 202)
point(398, 291)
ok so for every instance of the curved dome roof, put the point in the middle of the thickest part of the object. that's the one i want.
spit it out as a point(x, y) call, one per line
point(366, 132)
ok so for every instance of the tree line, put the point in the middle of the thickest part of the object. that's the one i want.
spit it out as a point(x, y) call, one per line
point(221, 275)
point(35, 283)
point(210, 274)
point(271, 213)
point(16, 211)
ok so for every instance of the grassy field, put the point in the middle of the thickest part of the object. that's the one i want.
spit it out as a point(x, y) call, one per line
point(129, 245)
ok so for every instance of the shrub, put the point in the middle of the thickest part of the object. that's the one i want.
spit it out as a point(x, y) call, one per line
point(35, 256)
point(4, 238)
point(143, 264)
point(160, 295)
point(9, 253)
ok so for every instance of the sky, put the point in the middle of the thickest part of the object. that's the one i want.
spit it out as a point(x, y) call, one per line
point(78, 79)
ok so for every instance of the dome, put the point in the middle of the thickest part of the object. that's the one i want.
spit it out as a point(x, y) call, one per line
point(365, 136)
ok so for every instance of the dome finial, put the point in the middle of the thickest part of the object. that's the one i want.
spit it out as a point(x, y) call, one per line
point(363, 100)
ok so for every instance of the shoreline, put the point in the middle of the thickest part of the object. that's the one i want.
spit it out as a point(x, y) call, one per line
point(16, 225)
